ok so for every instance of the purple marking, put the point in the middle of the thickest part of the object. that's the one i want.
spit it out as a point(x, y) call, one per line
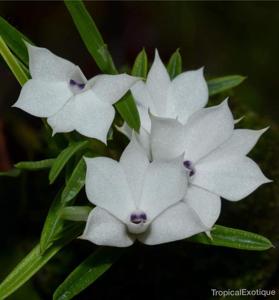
point(189, 165)
point(75, 83)
point(138, 218)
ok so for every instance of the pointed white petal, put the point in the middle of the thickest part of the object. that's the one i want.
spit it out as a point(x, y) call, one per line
point(134, 162)
point(165, 184)
point(232, 177)
point(145, 121)
point(43, 99)
point(104, 229)
point(144, 139)
point(45, 65)
point(107, 187)
point(142, 96)
point(167, 138)
point(111, 88)
point(206, 130)
point(206, 205)
point(157, 83)
point(189, 93)
point(240, 143)
point(175, 223)
point(86, 114)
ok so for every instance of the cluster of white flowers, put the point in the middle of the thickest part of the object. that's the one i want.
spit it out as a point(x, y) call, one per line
point(169, 180)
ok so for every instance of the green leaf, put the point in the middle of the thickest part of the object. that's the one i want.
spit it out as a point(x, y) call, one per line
point(87, 272)
point(128, 111)
point(35, 165)
point(63, 158)
point(76, 213)
point(221, 84)
point(91, 36)
point(75, 183)
point(175, 64)
point(10, 173)
point(140, 65)
point(12, 62)
point(53, 223)
point(233, 238)
point(33, 262)
point(14, 40)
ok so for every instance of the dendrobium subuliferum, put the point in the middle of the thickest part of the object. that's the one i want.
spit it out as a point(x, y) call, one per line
point(214, 157)
point(60, 92)
point(138, 199)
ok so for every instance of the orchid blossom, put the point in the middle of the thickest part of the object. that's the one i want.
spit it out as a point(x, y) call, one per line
point(60, 92)
point(214, 158)
point(136, 199)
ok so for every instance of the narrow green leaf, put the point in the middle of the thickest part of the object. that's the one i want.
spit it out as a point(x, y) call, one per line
point(35, 165)
point(53, 223)
point(91, 36)
point(10, 173)
point(75, 183)
point(33, 262)
point(221, 84)
point(12, 62)
point(76, 213)
point(128, 111)
point(140, 65)
point(98, 49)
point(14, 40)
point(175, 64)
point(63, 158)
point(126, 106)
point(87, 272)
point(233, 238)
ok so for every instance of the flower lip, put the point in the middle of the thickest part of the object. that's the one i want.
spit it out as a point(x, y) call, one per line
point(190, 167)
point(76, 85)
point(138, 217)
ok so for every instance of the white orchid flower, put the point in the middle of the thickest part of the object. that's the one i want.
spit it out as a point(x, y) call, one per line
point(178, 98)
point(60, 92)
point(215, 158)
point(136, 199)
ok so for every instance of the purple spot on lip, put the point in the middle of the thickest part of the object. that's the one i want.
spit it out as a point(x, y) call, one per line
point(189, 165)
point(138, 218)
point(75, 83)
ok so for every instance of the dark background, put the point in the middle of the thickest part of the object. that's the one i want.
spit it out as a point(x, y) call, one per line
point(227, 38)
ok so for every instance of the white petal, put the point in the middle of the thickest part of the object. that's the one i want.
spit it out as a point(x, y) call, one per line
point(45, 65)
point(206, 205)
point(134, 162)
point(142, 96)
point(176, 223)
point(240, 143)
point(111, 88)
point(164, 185)
point(145, 121)
point(104, 229)
point(107, 187)
point(86, 114)
point(144, 139)
point(43, 99)
point(189, 93)
point(231, 177)
point(157, 83)
point(206, 130)
point(167, 138)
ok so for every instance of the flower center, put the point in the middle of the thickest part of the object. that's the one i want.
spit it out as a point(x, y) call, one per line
point(190, 167)
point(138, 222)
point(76, 86)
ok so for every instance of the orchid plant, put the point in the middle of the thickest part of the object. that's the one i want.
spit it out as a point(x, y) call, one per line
point(180, 159)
